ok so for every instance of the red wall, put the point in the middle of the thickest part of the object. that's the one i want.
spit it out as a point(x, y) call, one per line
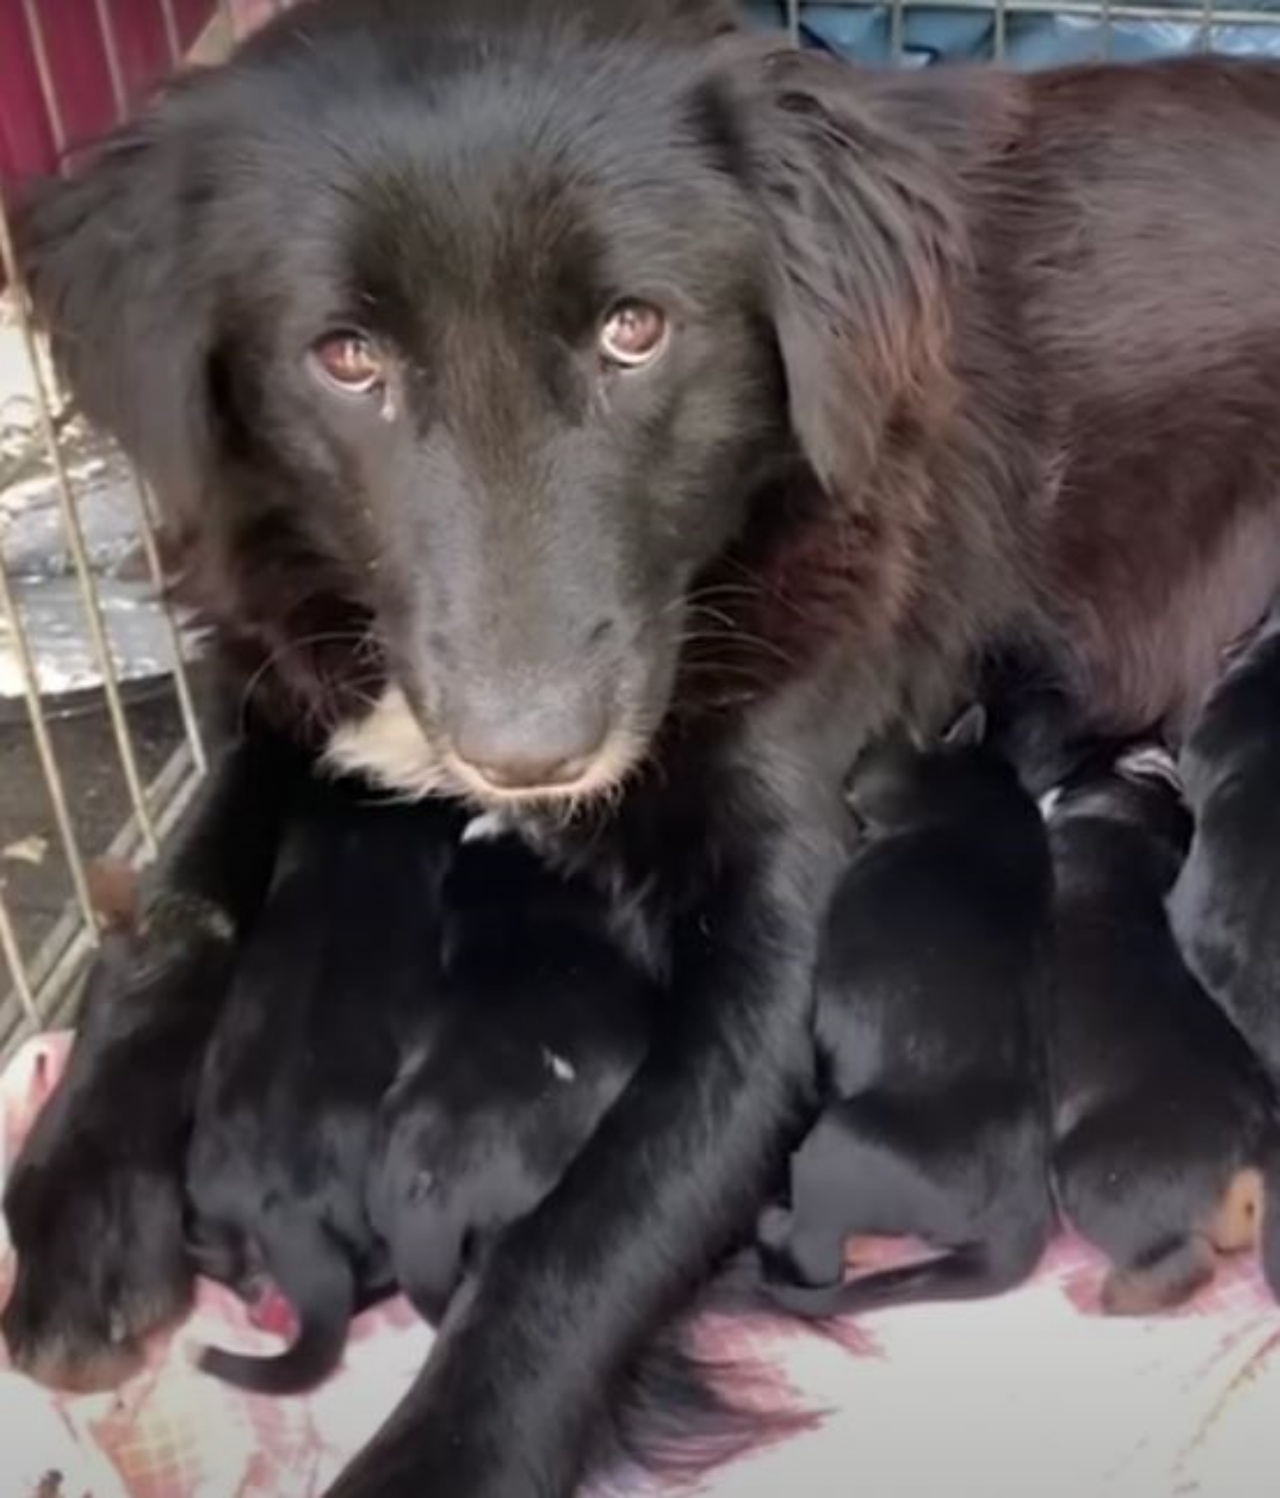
point(77, 59)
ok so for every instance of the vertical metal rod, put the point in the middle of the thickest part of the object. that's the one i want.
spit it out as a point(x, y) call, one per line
point(897, 31)
point(999, 34)
point(793, 22)
point(181, 676)
point(76, 543)
point(111, 54)
point(54, 783)
point(44, 75)
point(12, 955)
point(146, 517)
point(172, 39)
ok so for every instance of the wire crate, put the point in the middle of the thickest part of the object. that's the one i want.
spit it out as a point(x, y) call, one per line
point(99, 739)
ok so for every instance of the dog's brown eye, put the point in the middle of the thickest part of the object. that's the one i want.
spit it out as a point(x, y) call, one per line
point(350, 361)
point(634, 333)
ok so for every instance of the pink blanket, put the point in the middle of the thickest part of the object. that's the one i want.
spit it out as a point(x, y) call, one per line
point(1034, 1395)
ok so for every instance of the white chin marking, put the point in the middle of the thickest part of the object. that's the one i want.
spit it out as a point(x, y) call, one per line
point(387, 747)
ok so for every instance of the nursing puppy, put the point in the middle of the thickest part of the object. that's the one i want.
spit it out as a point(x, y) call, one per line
point(94, 1201)
point(1225, 906)
point(541, 1022)
point(1164, 1125)
point(928, 992)
point(344, 962)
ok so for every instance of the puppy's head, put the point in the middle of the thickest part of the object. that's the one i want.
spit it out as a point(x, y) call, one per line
point(897, 783)
point(1240, 717)
point(457, 341)
point(1137, 784)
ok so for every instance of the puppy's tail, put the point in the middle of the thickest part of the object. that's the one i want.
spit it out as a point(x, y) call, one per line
point(316, 1277)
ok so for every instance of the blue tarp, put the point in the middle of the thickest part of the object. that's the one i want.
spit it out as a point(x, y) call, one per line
point(935, 35)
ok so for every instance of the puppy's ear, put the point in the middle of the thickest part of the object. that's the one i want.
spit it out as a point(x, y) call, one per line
point(864, 237)
point(103, 257)
point(969, 730)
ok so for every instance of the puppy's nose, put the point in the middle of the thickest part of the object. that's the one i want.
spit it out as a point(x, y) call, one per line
point(512, 756)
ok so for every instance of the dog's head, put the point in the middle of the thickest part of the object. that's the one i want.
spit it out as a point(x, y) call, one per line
point(457, 341)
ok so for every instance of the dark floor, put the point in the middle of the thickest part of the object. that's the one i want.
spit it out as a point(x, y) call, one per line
point(37, 885)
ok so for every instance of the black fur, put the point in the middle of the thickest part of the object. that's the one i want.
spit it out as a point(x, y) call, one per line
point(1164, 1127)
point(931, 383)
point(1225, 902)
point(928, 1012)
point(540, 1023)
point(94, 1200)
point(343, 964)
point(539, 1027)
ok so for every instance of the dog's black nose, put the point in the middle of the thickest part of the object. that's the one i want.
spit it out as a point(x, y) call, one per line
point(530, 773)
point(514, 756)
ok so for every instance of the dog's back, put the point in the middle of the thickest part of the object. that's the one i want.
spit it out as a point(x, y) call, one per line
point(343, 961)
point(1162, 1119)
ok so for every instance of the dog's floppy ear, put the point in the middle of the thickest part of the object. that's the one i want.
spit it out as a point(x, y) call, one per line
point(103, 257)
point(864, 237)
point(700, 18)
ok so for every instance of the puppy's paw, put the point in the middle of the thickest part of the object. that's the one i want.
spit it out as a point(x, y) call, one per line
point(1161, 1285)
point(773, 1229)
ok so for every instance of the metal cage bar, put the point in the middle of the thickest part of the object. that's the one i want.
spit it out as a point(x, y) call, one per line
point(40, 981)
point(142, 498)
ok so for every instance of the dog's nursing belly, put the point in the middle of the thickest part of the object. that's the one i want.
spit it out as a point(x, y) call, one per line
point(1148, 648)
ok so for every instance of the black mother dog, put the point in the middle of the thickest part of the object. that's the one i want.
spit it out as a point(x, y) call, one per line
point(644, 416)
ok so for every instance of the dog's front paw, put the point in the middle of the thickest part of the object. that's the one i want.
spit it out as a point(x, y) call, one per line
point(94, 1203)
point(99, 1270)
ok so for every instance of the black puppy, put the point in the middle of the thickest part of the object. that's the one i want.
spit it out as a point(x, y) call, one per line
point(323, 1003)
point(94, 1202)
point(929, 972)
point(1226, 903)
point(1163, 1121)
point(542, 1022)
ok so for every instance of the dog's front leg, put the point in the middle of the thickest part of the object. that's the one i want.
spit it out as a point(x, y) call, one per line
point(532, 1351)
point(94, 1202)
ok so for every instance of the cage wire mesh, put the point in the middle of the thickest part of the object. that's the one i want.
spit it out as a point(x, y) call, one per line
point(99, 739)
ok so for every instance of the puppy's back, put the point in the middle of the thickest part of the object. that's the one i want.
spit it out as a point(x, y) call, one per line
point(933, 941)
point(1128, 1016)
point(1224, 905)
